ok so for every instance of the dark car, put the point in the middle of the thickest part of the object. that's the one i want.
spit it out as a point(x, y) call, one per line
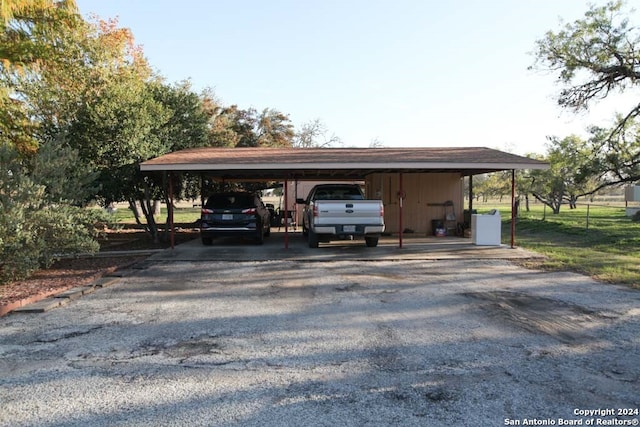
point(234, 213)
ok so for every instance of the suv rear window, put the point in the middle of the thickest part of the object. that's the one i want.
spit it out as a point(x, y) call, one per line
point(230, 200)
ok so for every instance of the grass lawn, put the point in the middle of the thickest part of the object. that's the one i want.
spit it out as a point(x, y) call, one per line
point(124, 216)
point(606, 245)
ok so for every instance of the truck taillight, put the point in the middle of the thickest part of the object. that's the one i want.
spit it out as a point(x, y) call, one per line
point(315, 210)
point(250, 211)
point(206, 211)
point(381, 210)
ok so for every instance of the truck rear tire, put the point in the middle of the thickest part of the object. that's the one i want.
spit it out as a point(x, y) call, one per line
point(313, 239)
point(371, 242)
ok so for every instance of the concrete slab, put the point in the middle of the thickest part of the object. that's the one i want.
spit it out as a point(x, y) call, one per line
point(42, 305)
point(105, 282)
point(413, 248)
point(75, 293)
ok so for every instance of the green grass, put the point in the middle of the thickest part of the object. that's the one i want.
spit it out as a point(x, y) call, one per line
point(607, 247)
point(124, 216)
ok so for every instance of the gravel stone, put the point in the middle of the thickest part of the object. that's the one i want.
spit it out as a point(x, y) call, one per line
point(294, 343)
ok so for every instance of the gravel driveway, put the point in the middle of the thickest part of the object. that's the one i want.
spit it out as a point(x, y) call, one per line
point(289, 343)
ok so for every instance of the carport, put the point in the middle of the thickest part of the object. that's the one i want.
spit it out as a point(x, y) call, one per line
point(327, 164)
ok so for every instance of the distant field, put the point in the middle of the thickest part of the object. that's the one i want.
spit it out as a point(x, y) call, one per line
point(123, 215)
point(594, 239)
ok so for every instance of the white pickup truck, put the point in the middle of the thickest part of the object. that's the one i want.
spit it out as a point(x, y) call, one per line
point(340, 211)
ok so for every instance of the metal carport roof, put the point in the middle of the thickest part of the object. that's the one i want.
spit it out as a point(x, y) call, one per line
point(336, 163)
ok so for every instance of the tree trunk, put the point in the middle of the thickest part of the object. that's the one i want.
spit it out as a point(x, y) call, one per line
point(554, 201)
point(157, 207)
point(166, 231)
point(152, 227)
point(573, 202)
point(135, 208)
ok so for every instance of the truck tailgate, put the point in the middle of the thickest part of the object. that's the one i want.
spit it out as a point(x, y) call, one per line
point(364, 212)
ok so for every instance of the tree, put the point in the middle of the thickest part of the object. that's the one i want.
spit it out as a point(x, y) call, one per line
point(376, 143)
point(497, 184)
point(16, 128)
point(23, 51)
point(21, 19)
point(187, 127)
point(274, 129)
point(620, 161)
point(90, 58)
point(524, 186)
point(594, 57)
point(565, 181)
point(314, 134)
point(12, 8)
point(121, 128)
point(101, 99)
point(42, 181)
point(234, 127)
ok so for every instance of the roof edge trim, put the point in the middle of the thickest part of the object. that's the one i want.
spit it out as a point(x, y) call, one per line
point(333, 166)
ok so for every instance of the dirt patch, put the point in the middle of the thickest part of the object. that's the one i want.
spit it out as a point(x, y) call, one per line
point(67, 273)
point(563, 321)
point(135, 238)
point(63, 275)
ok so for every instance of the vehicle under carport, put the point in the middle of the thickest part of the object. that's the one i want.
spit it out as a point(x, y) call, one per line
point(428, 175)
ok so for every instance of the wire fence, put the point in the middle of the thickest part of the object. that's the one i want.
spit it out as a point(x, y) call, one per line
point(584, 214)
point(587, 213)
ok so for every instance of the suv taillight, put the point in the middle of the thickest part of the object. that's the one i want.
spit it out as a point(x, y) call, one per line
point(206, 211)
point(250, 211)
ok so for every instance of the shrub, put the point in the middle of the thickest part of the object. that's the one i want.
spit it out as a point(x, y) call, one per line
point(34, 230)
point(31, 239)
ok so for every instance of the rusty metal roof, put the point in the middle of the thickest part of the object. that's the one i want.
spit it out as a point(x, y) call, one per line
point(335, 163)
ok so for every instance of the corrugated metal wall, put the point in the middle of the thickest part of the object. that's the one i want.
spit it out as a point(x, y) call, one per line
point(426, 194)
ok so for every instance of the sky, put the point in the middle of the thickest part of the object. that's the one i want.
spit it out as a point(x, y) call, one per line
point(404, 73)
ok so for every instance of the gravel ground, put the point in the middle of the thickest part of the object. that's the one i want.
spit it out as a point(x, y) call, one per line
point(289, 343)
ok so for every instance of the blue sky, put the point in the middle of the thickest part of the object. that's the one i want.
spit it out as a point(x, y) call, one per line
point(405, 72)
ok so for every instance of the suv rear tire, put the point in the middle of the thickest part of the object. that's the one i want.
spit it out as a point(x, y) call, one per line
point(260, 236)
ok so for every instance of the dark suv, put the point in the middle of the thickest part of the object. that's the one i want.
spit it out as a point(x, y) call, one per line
point(234, 213)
